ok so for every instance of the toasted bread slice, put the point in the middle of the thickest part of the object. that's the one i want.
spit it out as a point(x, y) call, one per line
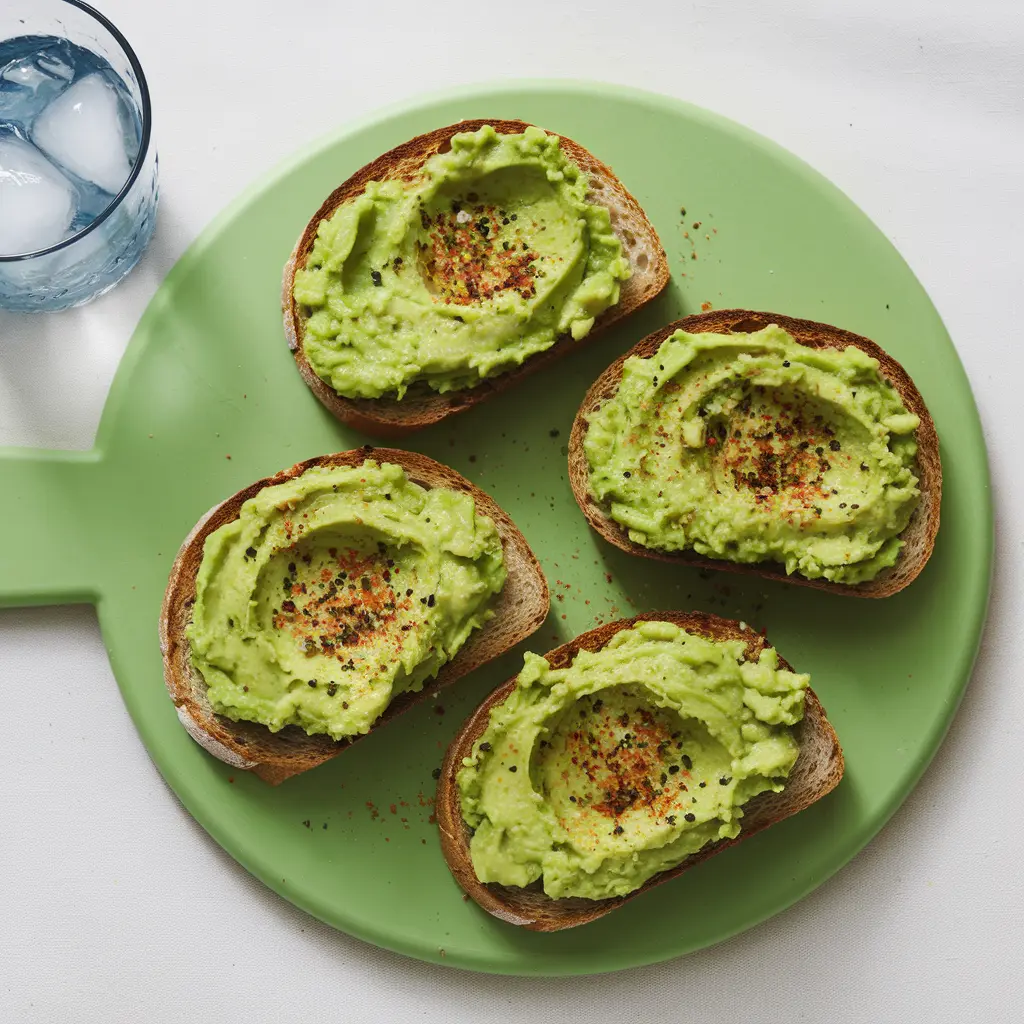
point(388, 418)
point(817, 771)
point(919, 535)
point(520, 609)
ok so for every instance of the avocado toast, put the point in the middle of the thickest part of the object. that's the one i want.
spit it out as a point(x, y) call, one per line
point(776, 474)
point(384, 310)
point(329, 616)
point(817, 769)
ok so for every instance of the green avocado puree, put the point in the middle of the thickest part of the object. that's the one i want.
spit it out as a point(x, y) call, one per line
point(752, 447)
point(597, 776)
point(484, 259)
point(334, 592)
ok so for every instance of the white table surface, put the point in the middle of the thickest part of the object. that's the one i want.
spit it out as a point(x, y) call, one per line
point(115, 906)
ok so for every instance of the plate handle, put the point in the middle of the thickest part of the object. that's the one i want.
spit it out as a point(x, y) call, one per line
point(50, 552)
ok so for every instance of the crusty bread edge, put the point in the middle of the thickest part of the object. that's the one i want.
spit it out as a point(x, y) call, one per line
point(919, 535)
point(523, 603)
point(530, 908)
point(388, 418)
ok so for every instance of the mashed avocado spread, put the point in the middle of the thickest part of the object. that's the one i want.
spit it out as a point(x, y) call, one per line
point(481, 261)
point(752, 447)
point(334, 592)
point(597, 776)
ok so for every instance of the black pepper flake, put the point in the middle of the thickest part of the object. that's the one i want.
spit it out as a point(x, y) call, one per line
point(819, 451)
point(364, 582)
point(690, 816)
point(702, 784)
point(430, 601)
point(785, 362)
point(725, 780)
point(673, 769)
point(344, 704)
point(687, 762)
point(842, 504)
point(671, 819)
point(408, 593)
point(554, 432)
point(513, 768)
point(332, 689)
point(834, 445)
point(376, 278)
point(572, 799)
point(618, 830)
point(250, 552)
point(485, 747)
point(436, 773)
point(312, 683)
point(855, 506)
point(627, 474)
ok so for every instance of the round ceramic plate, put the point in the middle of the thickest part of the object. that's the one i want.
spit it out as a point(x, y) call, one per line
point(207, 399)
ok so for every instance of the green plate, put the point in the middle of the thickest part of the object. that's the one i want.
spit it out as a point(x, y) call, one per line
point(207, 399)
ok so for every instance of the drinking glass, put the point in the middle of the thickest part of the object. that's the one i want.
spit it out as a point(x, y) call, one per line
point(60, 162)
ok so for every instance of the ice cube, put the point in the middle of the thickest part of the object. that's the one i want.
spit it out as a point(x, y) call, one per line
point(30, 82)
point(37, 203)
point(82, 131)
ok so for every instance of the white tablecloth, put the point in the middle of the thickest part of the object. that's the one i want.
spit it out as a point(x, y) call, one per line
point(117, 907)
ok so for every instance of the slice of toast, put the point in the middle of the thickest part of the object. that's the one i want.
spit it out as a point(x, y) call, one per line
point(520, 609)
point(389, 418)
point(919, 535)
point(817, 771)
